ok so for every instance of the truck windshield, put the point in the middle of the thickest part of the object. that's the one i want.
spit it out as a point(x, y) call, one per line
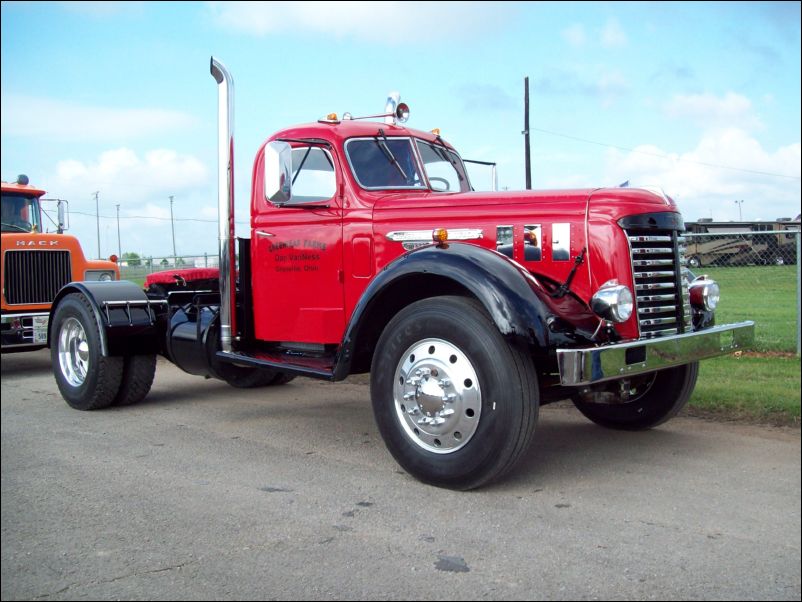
point(443, 167)
point(20, 213)
point(380, 163)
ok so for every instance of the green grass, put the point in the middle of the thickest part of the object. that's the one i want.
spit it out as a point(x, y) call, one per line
point(763, 385)
point(749, 387)
point(765, 294)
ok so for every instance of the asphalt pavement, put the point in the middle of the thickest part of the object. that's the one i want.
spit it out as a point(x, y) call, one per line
point(206, 492)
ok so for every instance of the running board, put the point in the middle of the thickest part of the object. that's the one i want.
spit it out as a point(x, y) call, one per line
point(301, 365)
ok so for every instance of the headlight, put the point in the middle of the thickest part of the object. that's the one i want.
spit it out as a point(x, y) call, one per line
point(102, 275)
point(705, 293)
point(612, 302)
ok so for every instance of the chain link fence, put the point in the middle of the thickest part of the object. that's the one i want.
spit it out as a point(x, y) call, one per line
point(759, 276)
point(138, 269)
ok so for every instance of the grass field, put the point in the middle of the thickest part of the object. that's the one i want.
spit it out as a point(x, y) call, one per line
point(765, 294)
point(763, 385)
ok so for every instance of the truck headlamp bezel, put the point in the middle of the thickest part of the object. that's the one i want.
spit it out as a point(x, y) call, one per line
point(99, 275)
point(613, 302)
point(705, 293)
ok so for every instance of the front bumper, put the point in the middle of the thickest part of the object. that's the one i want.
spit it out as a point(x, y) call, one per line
point(591, 365)
point(24, 330)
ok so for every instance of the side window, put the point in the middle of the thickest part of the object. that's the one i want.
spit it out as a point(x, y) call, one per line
point(313, 177)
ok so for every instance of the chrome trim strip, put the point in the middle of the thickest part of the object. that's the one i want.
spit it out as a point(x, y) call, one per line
point(653, 250)
point(638, 238)
point(654, 286)
point(645, 263)
point(598, 364)
point(648, 298)
point(658, 321)
point(658, 309)
point(663, 274)
point(426, 235)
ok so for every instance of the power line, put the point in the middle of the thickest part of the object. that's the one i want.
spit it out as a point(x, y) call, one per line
point(664, 156)
point(164, 219)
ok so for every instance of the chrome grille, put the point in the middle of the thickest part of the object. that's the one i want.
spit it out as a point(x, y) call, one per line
point(661, 291)
point(34, 277)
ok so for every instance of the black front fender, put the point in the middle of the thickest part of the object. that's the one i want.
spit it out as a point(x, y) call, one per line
point(129, 323)
point(522, 310)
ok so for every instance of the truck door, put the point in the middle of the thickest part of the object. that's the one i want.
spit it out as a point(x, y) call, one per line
point(297, 256)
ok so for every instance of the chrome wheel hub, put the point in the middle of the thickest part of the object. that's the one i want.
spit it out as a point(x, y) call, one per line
point(73, 352)
point(437, 397)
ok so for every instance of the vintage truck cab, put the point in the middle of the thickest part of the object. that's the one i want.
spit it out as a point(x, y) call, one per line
point(370, 252)
point(36, 264)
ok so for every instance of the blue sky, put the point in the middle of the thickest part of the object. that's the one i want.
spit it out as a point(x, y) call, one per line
point(700, 98)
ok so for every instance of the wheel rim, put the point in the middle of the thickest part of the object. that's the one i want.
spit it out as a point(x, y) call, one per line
point(73, 352)
point(437, 396)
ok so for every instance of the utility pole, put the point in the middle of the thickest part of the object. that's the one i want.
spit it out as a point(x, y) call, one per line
point(97, 216)
point(119, 246)
point(740, 213)
point(172, 223)
point(527, 159)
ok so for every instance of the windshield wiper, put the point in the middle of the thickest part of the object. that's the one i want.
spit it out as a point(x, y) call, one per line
point(382, 144)
point(445, 153)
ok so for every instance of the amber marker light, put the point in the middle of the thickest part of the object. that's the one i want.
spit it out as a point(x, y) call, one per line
point(440, 235)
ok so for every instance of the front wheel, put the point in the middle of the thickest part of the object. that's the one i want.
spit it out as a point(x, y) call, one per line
point(87, 380)
point(455, 403)
point(642, 402)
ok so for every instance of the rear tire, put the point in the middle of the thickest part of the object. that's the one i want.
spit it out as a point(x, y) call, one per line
point(656, 399)
point(138, 373)
point(87, 380)
point(455, 403)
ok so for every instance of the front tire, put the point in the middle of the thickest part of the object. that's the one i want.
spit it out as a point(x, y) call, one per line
point(87, 380)
point(655, 398)
point(455, 403)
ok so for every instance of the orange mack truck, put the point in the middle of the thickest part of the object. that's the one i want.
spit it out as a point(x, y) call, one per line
point(35, 265)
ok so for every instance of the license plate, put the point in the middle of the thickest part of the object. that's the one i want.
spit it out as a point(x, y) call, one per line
point(40, 329)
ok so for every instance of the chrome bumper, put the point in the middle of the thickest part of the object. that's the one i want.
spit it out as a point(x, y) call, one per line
point(597, 364)
point(24, 330)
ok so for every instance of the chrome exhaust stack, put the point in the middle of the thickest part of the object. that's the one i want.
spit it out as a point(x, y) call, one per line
point(225, 201)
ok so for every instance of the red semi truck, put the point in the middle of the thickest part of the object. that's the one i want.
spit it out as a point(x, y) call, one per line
point(370, 252)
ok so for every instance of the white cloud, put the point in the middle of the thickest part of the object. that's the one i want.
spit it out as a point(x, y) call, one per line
point(703, 190)
point(127, 177)
point(575, 35)
point(612, 35)
point(385, 22)
point(141, 184)
point(710, 111)
point(58, 120)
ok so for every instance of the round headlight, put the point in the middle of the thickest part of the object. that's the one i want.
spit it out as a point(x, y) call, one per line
point(105, 277)
point(613, 302)
point(704, 293)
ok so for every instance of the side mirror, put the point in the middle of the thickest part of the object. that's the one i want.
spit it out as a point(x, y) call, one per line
point(278, 173)
point(61, 217)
